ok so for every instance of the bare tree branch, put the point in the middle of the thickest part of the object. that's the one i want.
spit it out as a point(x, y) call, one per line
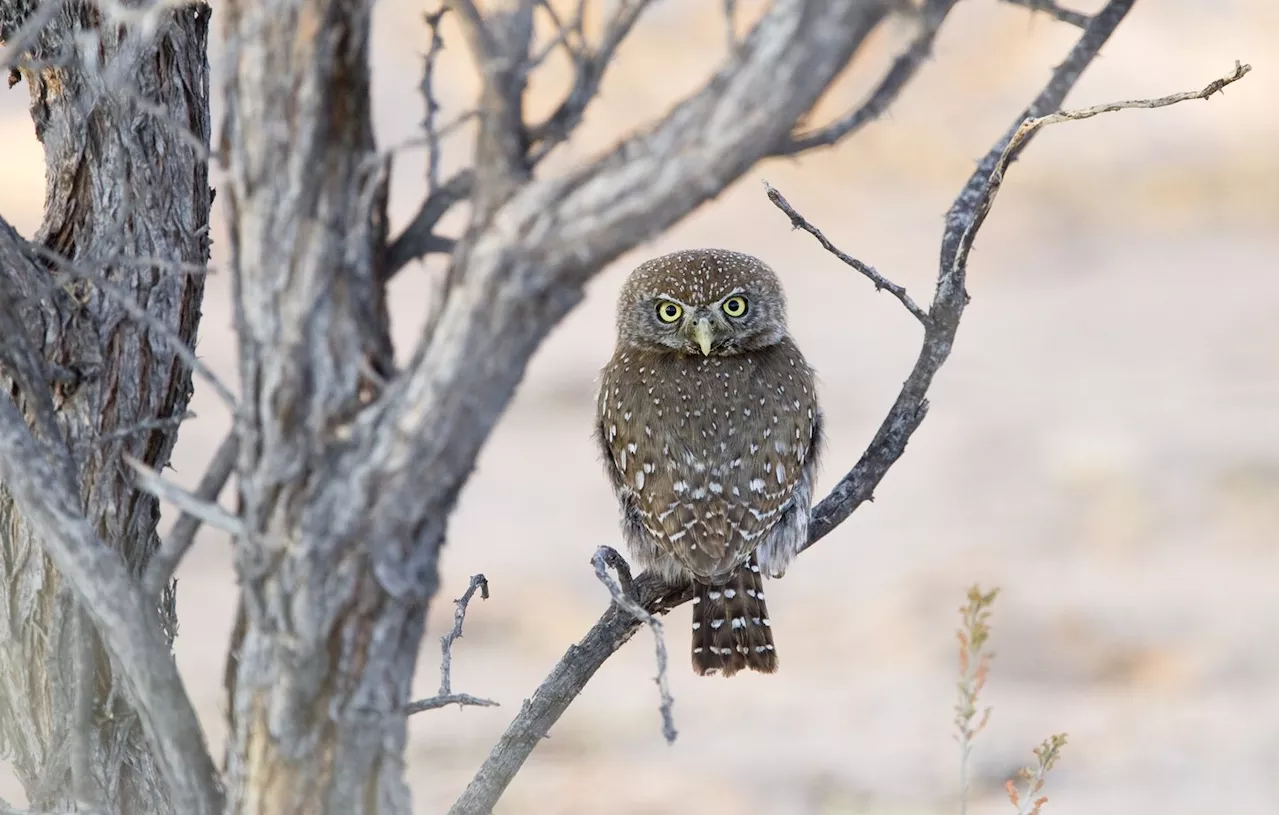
point(418, 239)
point(165, 561)
point(446, 696)
point(123, 619)
point(1057, 12)
point(901, 73)
point(798, 221)
point(429, 98)
point(1030, 126)
point(590, 69)
point(616, 626)
point(499, 41)
point(444, 700)
point(559, 689)
point(604, 558)
point(576, 52)
point(730, 28)
point(207, 511)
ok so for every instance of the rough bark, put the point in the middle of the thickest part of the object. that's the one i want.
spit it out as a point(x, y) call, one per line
point(66, 724)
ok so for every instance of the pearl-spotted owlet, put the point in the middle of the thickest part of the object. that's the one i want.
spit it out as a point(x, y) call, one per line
point(710, 427)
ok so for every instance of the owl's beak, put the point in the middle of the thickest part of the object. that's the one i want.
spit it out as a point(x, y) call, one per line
point(702, 335)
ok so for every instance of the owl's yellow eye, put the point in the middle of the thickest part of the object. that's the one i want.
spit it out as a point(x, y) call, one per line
point(669, 312)
point(735, 306)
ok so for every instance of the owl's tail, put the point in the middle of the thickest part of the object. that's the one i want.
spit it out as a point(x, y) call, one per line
point(731, 625)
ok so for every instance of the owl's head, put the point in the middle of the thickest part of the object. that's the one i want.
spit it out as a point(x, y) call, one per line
point(702, 301)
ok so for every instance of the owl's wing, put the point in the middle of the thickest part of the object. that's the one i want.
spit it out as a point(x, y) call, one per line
point(712, 514)
point(707, 463)
point(729, 476)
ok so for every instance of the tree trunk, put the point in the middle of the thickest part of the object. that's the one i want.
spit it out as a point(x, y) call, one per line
point(104, 115)
point(327, 651)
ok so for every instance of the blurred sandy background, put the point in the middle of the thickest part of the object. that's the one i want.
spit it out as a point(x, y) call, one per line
point(1102, 444)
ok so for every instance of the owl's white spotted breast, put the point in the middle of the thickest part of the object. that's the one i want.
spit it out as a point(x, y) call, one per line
point(711, 448)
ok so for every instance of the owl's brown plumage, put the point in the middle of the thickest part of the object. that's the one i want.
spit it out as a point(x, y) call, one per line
point(710, 426)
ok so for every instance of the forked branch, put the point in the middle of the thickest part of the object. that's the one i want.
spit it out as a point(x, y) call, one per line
point(899, 75)
point(446, 696)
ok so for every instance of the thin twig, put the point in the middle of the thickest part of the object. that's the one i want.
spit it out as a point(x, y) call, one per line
point(428, 94)
point(730, 31)
point(605, 557)
point(1057, 12)
point(798, 221)
point(207, 511)
point(590, 72)
point(1031, 125)
point(444, 700)
point(166, 559)
point(902, 71)
point(446, 696)
point(561, 38)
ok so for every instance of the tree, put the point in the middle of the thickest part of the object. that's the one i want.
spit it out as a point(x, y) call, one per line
point(347, 467)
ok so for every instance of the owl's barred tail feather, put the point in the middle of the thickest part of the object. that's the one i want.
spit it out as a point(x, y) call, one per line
point(731, 626)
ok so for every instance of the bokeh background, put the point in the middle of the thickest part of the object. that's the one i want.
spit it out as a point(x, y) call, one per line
point(1102, 444)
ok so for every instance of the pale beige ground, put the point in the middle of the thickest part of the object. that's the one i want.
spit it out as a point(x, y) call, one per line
point(1102, 445)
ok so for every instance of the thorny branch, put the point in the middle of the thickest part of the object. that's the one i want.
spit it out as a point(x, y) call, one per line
point(446, 696)
point(617, 624)
point(429, 98)
point(621, 590)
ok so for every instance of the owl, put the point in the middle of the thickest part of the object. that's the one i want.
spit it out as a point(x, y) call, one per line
point(710, 429)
